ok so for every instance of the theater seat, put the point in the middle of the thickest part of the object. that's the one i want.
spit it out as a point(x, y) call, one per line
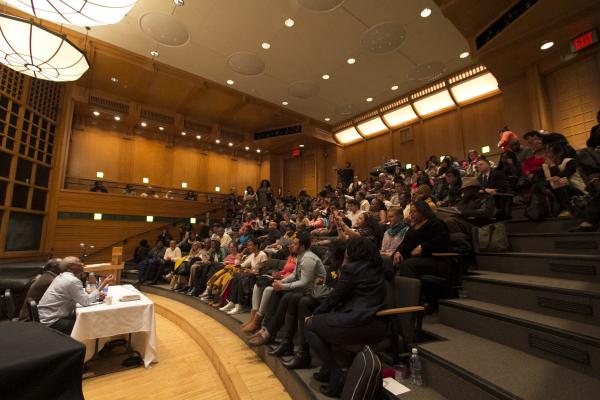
point(33, 311)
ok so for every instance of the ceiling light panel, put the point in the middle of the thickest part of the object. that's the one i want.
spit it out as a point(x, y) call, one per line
point(400, 116)
point(434, 103)
point(33, 50)
point(372, 126)
point(76, 12)
point(348, 135)
point(473, 88)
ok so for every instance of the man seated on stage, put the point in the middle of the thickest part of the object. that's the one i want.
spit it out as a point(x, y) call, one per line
point(40, 285)
point(57, 306)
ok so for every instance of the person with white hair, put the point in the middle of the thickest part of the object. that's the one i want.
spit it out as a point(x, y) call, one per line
point(57, 306)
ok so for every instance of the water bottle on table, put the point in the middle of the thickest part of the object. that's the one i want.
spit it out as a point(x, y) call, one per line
point(416, 368)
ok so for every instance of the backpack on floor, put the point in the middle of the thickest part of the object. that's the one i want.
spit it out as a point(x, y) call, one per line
point(543, 204)
point(363, 379)
point(490, 237)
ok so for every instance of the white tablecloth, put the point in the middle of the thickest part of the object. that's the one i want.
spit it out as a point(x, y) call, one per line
point(104, 321)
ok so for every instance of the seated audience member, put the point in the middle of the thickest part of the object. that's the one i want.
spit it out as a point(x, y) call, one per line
point(510, 166)
point(172, 255)
point(218, 284)
point(57, 306)
point(378, 210)
point(347, 315)
point(191, 195)
point(395, 234)
point(588, 161)
point(169, 195)
point(308, 303)
point(129, 190)
point(150, 267)
point(224, 239)
point(39, 286)
point(353, 211)
point(471, 163)
point(427, 235)
point(561, 172)
point(243, 282)
point(149, 193)
point(290, 289)
point(491, 180)
point(398, 194)
point(531, 169)
point(165, 237)
point(452, 193)
point(301, 219)
point(475, 207)
point(141, 252)
point(363, 202)
point(509, 142)
point(273, 234)
point(179, 278)
point(99, 187)
point(210, 264)
point(261, 296)
point(422, 193)
point(366, 226)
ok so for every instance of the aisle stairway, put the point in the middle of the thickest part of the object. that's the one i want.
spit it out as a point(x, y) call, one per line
point(528, 326)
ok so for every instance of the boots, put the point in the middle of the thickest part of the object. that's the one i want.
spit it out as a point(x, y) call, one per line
point(252, 316)
point(254, 324)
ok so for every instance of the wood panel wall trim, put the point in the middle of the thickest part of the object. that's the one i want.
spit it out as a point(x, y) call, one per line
point(109, 203)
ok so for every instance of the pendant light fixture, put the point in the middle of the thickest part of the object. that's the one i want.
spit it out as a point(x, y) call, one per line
point(76, 12)
point(36, 51)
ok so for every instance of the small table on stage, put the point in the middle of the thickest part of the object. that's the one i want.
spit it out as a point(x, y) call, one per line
point(102, 321)
point(37, 362)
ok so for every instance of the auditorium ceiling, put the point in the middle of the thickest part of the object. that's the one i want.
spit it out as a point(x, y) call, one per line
point(222, 40)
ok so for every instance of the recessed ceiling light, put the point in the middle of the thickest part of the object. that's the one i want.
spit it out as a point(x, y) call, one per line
point(114, 79)
point(230, 144)
point(154, 53)
point(179, 3)
point(289, 22)
point(117, 118)
point(426, 12)
point(266, 45)
point(351, 61)
point(96, 113)
point(162, 128)
point(198, 137)
point(301, 145)
point(395, 87)
point(369, 99)
point(143, 124)
point(247, 148)
point(230, 82)
point(183, 133)
point(327, 119)
point(464, 54)
point(217, 141)
point(546, 45)
point(285, 103)
point(325, 77)
point(258, 150)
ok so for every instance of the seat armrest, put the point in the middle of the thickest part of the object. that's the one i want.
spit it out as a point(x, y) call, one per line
point(401, 310)
point(449, 254)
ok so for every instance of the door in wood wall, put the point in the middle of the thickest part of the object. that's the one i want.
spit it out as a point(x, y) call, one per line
point(300, 174)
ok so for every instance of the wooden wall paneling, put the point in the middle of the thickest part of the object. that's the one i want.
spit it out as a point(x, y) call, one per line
point(186, 164)
point(149, 157)
point(379, 149)
point(441, 135)
point(516, 105)
point(574, 97)
point(309, 173)
point(481, 122)
point(95, 150)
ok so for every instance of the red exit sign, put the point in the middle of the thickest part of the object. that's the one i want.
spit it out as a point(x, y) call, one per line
point(583, 41)
point(296, 152)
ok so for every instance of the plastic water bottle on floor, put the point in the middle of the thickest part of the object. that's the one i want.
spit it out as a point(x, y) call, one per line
point(416, 368)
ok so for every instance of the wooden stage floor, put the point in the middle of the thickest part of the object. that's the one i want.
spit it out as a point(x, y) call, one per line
point(185, 371)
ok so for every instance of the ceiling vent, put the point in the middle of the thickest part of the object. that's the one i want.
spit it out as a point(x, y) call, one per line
point(109, 104)
point(157, 117)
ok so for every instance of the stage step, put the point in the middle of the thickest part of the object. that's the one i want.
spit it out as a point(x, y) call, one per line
point(550, 225)
point(573, 300)
point(464, 366)
point(571, 344)
point(553, 265)
point(565, 243)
